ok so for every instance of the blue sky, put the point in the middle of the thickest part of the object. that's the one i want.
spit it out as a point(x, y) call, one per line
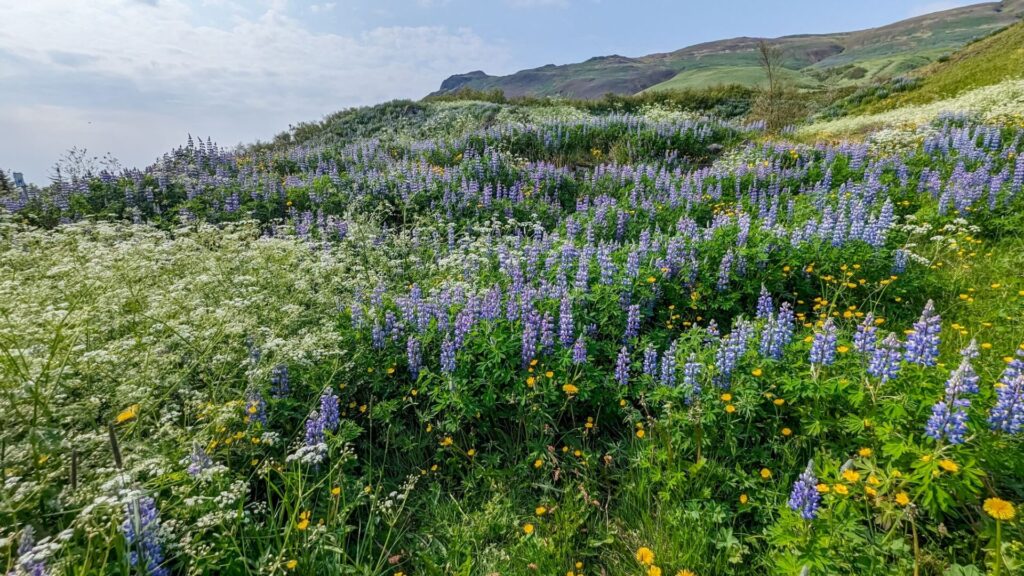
point(134, 77)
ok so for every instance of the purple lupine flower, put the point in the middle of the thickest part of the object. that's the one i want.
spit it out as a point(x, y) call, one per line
point(329, 415)
point(805, 498)
point(27, 562)
point(632, 322)
point(531, 326)
point(778, 332)
point(378, 335)
point(279, 381)
point(865, 338)
point(899, 261)
point(579, 350)
point(730, 349)
point(949, 415)
point(622, 367)
point(724, 269)
point(823, 349)
point(668, 365)
point(199, 460)
point(650, 365)
point(565, 323)
point(885, 360)
point(923, 344)
point(314, 429)
point(547, 333)
point(448, 355)
point(691, 375)
point(255, 408)
point(412, 355)
point(141, 528)
point(765, 307)
point(1008, 414)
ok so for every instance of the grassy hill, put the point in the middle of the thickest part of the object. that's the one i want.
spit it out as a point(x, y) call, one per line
point(814, 60)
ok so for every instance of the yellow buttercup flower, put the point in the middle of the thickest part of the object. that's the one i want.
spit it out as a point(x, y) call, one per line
point(685, 572)
point(654, 571)
point(538, 463)
point(822, 488)
point(766, 473)
point(948, 465)
point(570, 389)
point(999, 509)
point(528, 528)
point(128, 413)
point(902, 499)
point(291, 564)
point(841, 489)
point(540, 511)
point(851, 475)
point(743, 499)
point(864, 452)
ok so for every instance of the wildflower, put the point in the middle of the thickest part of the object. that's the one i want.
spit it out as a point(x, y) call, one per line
point(141, 528)
point(766, 473)
point(730, 408)
point(851, 475)
point(654, 571)
point(279, 381)
point(622, 367)
point(949, 465)
point(923, 343)
point(864, 452)
point(199, 460)
point(129, 413)
point(884, 363)
point(645, 556)
point(336, 491)
point(303, 522)
point(999, 509)
point(540, 511)
point(865, 338)
point(841, 489)
point(570, 389)
point(743, 499)
point(329, 411)
point(527, 528)
point(447, 441)
point(640, 433)
point(685, 572)
point(787, 432)
point(291, 564)
point(822, 488)
point(805, 498)
point(757, 372)
point(1008, 413)
point(823, 348)
point(902, 499)
point(538, 463)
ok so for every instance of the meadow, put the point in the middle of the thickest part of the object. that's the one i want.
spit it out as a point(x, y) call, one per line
point(482, 338)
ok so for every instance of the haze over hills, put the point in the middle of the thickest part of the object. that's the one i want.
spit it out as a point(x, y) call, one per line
point(811, 60)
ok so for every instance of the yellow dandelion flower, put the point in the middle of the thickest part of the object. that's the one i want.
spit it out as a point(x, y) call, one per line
point(840, 489)
point(787, 432)
point(864, 452)
point(999, 509)
point(766, 473)
point(640, 433)
point(902, 499)
point(779, 401)
point(645, 556)
point(822, 488)
point(948, 465)
point(336, 491)
point(570, 389)
point(757, 372)
point(730, 408)
point(726, 397)
point(851, 475)
point(531, 381)
point(743, 499)
point(654, 571)
point(538, 463)
point(685, 572)
point(549, 374)
point(843, 349)
point(471, 452)
point(527, 528)
point(447, 441)
point(291, 564)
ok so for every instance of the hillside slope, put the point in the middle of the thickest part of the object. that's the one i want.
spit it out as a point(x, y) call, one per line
point(814, 59)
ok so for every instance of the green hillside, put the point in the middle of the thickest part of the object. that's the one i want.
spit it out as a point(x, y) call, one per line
point(989, 61)
point(815, 61)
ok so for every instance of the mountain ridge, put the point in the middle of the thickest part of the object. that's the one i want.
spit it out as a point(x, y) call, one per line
point(811, 60)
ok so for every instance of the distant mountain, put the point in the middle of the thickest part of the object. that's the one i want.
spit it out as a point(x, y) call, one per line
point(811, 60)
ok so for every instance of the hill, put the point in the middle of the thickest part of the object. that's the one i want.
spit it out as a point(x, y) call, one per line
point(813, 60)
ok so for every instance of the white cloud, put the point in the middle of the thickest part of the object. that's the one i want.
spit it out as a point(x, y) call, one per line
point(321, 8)
point(260, 68)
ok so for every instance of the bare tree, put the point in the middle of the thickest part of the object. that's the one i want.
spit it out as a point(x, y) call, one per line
point(778, 104)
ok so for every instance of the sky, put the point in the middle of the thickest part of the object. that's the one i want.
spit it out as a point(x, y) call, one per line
point(133, 78)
